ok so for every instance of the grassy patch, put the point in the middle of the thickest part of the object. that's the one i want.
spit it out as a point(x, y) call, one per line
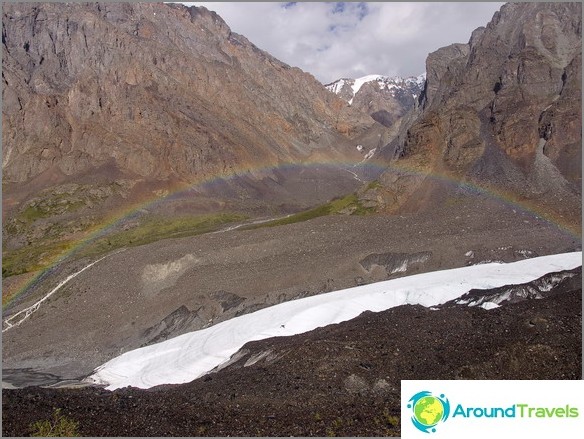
point(32, 213)
point(48, 208)
point(42, 254)
point(155, 229)
point(387, 423)
point(349, 204)
point(373, 185)
point(32, 257)
point(59, 426)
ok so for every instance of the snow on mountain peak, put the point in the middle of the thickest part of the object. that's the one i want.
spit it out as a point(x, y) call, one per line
point(348, 88)
point(336, 86)
point(421, 79)
point(364, 79)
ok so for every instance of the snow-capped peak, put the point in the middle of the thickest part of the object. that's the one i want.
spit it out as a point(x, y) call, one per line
point(348, 88)
point(419, 80)
point(358, 83)
point(336, 86)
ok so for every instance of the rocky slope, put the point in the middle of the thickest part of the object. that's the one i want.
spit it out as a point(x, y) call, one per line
point(154, 90)
point(341, 380)
point(137, 98)
point(385, 98)
point(107, 106)
point(502, 111)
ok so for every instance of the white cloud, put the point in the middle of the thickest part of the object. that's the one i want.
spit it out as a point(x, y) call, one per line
point(334, 40)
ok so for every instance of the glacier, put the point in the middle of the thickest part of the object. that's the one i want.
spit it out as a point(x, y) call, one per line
point(189, 356)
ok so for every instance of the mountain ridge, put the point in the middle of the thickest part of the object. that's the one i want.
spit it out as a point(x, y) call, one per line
point(205, 74)
point(502, 112)
point(385, 98)
point(110, 105)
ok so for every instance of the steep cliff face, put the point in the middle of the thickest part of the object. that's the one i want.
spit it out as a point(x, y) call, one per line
point(503, 110)
point(153, 91)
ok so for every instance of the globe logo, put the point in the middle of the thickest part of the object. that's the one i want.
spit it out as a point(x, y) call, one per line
point(428, 410)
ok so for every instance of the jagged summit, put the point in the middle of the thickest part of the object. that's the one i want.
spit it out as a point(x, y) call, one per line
point(385, 98)
point(340, 86)
point(502, 111)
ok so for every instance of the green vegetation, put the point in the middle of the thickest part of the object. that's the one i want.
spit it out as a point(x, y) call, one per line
point(349, 204)
point(387, 423)
point(155, 229)
point(32, 213)
point(41, 254)
point(55, 205)
point(59, 426)
point(32, 257)
point(334, 428)
point(55, 202)
point(373, 185)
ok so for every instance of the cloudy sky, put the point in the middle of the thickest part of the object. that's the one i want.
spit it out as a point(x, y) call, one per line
point(336, 40)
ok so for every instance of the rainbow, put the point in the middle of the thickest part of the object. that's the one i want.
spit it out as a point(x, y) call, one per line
point(207, 182)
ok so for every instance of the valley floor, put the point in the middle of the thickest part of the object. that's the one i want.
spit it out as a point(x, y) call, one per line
point(339, 380)
point(149, 293)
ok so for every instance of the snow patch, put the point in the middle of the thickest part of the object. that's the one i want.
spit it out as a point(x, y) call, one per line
point(189, 356)
point(337, 86)
point(383, 83)
point(489, 261)
point(401, 268)
point(525, 253)
point(489, 305)
point(514, 293)
point(364, 79)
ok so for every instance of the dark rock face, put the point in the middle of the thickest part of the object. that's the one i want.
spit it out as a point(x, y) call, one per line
point(504, 110)
point(385, 99)
point(153, 91)
point(178, 322)
point(394, 262)
point(537, 289)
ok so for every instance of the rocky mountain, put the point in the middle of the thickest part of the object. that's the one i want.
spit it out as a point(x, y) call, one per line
point(107, 106)
point(385, 98)
point(153, 92)
point(502, 112)
point(108, 103)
